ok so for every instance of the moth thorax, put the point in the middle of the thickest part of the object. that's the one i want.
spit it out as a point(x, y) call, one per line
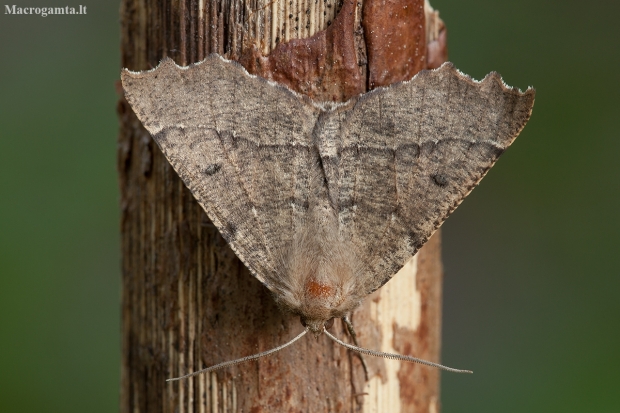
point(318, 290)
point(318, 304)
point(321, 296)
point(327, 294)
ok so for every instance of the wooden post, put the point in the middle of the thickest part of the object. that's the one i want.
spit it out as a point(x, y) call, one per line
point(187, 300)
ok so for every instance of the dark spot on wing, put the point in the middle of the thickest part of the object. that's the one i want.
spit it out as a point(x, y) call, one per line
point(440, 180)
point(212, 169)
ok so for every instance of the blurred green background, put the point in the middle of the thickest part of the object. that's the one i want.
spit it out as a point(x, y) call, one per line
point(531, 258)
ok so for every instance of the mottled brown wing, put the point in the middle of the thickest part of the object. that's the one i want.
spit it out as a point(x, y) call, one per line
point(243, 147)
point(404, 157)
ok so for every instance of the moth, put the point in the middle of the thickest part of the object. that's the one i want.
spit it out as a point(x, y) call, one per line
point(325, 202)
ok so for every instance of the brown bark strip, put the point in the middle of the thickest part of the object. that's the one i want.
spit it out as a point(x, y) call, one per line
point(187, 300)
point(396, 40)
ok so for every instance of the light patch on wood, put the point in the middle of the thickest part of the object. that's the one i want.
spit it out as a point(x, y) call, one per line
point(432, 406)
point(384, 392)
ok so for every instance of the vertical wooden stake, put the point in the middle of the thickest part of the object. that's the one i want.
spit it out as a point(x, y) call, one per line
point(187, 300)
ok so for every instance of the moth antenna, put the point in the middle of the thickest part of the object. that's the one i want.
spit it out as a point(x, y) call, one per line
point(241, 360)
point(393, 356)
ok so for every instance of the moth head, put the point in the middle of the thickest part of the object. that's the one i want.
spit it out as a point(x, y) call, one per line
point(316, 326)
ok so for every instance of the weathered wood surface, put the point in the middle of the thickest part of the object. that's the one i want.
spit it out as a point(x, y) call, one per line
point(187, 301)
